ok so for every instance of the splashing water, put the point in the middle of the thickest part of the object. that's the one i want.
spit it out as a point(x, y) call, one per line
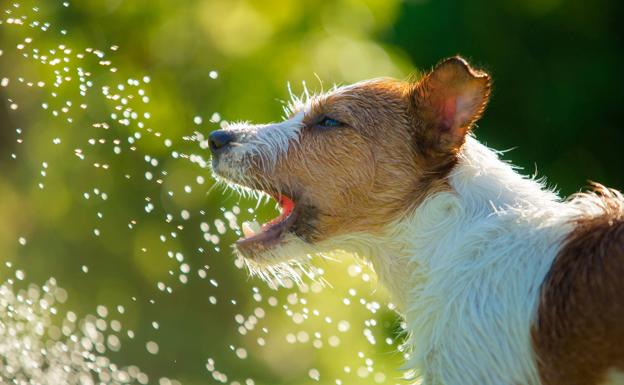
point(34, 349)
point(97, 115)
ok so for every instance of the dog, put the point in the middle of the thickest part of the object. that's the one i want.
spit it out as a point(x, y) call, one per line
point(500, 281)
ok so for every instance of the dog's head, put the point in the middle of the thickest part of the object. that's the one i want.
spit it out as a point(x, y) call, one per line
point(350, 161)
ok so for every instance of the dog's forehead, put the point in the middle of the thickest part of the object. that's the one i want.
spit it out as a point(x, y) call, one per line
point(354, 98)
point(372, 90)
point(376, 85)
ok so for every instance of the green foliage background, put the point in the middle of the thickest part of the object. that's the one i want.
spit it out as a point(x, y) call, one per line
point(557, 100)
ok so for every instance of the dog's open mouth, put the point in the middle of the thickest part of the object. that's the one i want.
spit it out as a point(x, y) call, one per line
point(269, 234)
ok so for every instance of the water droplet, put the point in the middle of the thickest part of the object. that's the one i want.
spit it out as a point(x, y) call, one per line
point(343, 326)
point(241, 353)
point(152, 347)
point(314, 374)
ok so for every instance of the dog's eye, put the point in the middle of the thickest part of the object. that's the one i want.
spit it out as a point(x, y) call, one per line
point(328, 122)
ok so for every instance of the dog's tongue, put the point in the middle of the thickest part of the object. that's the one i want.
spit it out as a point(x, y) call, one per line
point(286, 207)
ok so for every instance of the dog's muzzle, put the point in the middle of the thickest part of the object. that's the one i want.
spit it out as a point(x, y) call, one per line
point(220, 141)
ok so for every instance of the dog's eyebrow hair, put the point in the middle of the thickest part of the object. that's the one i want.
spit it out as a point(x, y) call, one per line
point(313, 109)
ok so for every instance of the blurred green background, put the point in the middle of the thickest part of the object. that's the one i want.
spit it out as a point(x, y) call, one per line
point(76, 194)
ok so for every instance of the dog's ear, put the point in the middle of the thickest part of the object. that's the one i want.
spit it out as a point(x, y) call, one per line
point(447, 102)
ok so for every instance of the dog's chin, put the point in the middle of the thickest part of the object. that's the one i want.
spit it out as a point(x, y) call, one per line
point(288, 248)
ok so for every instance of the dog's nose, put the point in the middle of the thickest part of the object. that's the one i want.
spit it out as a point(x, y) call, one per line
point(218, 140)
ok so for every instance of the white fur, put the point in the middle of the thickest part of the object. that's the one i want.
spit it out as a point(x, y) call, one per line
point(264, 143)
point(466, 269)
point(268, 141)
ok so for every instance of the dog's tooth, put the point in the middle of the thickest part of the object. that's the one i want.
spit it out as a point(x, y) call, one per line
point(251, 228)
point(247, 229)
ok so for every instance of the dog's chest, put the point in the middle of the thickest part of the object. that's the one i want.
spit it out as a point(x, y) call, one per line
point(470, 314)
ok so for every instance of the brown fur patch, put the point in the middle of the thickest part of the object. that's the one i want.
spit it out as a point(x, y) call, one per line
point(579, 334)
point(360, 177)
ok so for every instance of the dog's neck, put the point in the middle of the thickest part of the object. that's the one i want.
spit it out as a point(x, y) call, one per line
point(492, 236)
point(483, 189)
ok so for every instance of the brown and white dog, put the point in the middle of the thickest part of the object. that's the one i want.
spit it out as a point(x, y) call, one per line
point(501, 282)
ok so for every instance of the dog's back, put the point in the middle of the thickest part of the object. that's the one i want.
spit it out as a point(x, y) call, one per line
point(579, 335)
